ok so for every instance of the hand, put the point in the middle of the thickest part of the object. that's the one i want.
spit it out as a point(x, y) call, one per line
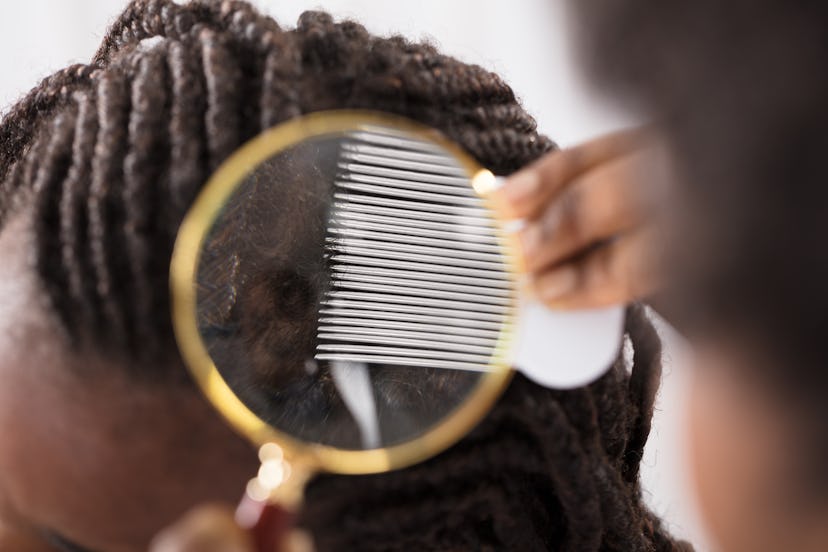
point(215, 529)
point(590, 235)
point(205, 529)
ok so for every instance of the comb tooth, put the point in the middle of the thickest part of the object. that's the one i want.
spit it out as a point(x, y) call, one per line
point(346, 243)
point(369, 249)
point(447, 184)
point(502, 283)
point(429, 208)
point(407, 337)
point(402, 159)
point(376, 235)
point(433, 324)
point(448, 304)
point(426, 294)
point(423, 345)
point(363, 260)
point(369, 359)
point(344, 277)
point(347, 206)
point(402, 351)
point(449, 191)
point(378, 188)
point(344, 306)
point(397, 221)
point(411, 231)
point(395, 141)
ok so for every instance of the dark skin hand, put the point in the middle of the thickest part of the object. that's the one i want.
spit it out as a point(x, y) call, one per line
point(591, 233)
point(205, 529)
point(213, 528)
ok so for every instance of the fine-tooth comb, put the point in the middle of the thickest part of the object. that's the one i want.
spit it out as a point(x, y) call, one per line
point(418, 274)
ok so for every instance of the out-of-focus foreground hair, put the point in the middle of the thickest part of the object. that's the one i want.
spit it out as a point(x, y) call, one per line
point(740, 89)
point(105, 159)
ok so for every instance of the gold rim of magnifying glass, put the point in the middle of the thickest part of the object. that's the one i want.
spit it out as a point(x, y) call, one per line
point(194, 229)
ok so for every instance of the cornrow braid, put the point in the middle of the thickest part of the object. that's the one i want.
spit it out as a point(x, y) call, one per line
point(52, 170)
point(107, 157)
point(73, 214)
point(23, 121)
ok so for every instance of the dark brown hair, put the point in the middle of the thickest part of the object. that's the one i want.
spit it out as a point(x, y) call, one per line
point(739, 88)
point(107, 157)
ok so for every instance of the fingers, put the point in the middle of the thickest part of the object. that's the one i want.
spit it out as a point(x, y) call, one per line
point(526, 193)
point(214, 529)
point(614, 273)
point(206, 529)
point(598, 205)
point(588, 217)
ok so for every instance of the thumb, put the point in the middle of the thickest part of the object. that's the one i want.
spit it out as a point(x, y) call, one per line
point(205, 529)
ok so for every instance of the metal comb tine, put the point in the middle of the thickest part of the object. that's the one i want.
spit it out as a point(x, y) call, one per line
point(502, 283)
point(429, 294)
point(398, 154)
point(424, 284)
point(411, 231)
point(395, 160)
point(485, 343)
point(421, 240)
point(346, 242)
point(466, 220)
point(410, 194)
point(433, 324)
point(479, 221)
point(364, 260)
point(424, 184)
point(399, 361)
point(344, 307)
point(402, 221)
point(448, 304)
point(390, 256)
point(381, 137)
point(416, 206)
point(458, 184)
point(402, 351)
point(426, 345)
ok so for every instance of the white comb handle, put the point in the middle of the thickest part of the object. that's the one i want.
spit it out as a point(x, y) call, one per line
point(565, 349)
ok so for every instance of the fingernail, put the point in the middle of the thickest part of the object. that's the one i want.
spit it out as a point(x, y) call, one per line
point(556, 284)
point(521, 186)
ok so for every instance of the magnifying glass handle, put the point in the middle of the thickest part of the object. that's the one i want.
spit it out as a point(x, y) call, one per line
point(268, 523)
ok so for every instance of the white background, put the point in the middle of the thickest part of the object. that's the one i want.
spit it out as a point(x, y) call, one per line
point(523, 40)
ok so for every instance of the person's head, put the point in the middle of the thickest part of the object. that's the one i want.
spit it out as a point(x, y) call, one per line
point(740, 89)
point(104, 438)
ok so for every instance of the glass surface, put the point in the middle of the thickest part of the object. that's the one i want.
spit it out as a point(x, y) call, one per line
point(352, 291)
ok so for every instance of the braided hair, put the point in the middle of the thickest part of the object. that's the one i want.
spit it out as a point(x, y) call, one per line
point(105, 158)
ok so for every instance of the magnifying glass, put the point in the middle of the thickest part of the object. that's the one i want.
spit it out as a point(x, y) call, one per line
point(345, 297)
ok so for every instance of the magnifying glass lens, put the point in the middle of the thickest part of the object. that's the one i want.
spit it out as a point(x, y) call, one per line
point(351, 290)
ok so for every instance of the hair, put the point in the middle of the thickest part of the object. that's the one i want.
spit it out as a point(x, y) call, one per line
point(739, 89)
point(107, 157)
